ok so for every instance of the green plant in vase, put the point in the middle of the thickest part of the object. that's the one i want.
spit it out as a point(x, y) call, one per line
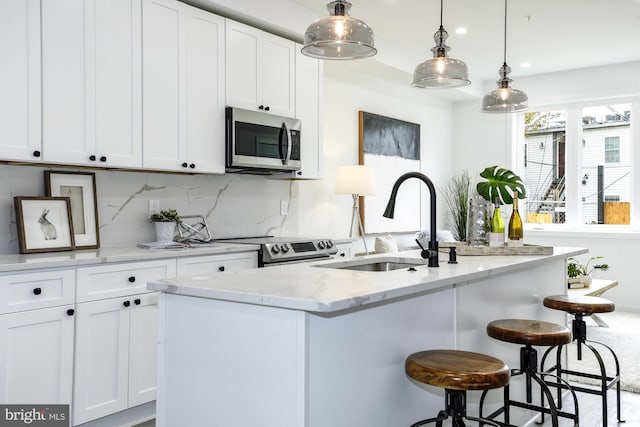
point(500, 183)
point(165, 223)
point(579, 272)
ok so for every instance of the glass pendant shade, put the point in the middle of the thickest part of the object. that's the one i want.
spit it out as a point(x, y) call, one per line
point(441, 71)
point(339, 36)
point(505, 99)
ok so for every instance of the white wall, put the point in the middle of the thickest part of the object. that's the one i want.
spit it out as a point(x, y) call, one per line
point(481, 140)
point(349, 88)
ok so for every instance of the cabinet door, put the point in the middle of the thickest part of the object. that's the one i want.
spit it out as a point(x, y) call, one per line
point(20, 80)
point(143, 343)
point(205, 92)
point(278, 74)
point(91, 101)
point(243, 58)
point(308, 110)
point(162, 69)
point(36, 356)
point(102, 358)
point(211, 264)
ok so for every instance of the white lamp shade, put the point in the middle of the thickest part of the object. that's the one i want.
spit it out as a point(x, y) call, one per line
point(356, 179)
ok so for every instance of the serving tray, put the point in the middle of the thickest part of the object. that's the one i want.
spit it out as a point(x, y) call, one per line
point(463, 248)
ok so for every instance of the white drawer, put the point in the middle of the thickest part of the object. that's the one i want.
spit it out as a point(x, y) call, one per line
point(36, 289)
point(211, 264)
point(115, 280)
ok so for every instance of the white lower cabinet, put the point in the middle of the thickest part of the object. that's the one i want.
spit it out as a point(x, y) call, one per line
point(36, 356)
point(115, 355)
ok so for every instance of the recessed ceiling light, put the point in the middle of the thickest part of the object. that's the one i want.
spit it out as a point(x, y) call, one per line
point(525, 65)
point(461, 30)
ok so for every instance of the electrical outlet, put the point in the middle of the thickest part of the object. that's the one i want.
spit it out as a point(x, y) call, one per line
point(284, 207)
point(154, 207)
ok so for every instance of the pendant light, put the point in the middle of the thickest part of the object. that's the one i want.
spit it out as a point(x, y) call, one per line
point(339, 36)
point(441, 71)
point(505, 99)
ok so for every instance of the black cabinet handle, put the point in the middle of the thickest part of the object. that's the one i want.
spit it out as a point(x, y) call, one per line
point(192, 165)
point(103, 158)
point(126, 303)
point(131, 279)
point(221, 268)
point(184, 165)
point(36, 153)
point(342, 254)
point(261, 107)
point(92, 158)
point(266, 108)
point(299, 172)
point(37, 291)
point(137, 301)
point(70, 312)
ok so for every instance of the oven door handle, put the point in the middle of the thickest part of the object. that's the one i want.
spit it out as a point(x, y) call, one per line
point(284, 130)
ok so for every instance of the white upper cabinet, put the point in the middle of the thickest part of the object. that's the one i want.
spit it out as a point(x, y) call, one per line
point(260, 70)
point(91, 82)
point(183, 90)
point(309, 111)
point(20, 80)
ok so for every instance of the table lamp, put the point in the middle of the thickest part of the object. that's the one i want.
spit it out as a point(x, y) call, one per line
point(356, 180)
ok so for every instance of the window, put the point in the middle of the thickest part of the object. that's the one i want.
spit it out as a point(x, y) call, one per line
point(612, 149)
point(583, 151)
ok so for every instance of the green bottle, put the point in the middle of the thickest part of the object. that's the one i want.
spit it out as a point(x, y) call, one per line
point(497, 223)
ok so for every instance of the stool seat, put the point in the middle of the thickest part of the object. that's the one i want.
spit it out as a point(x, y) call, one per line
point(457, 370)
point(585, 305)
point(529, 332)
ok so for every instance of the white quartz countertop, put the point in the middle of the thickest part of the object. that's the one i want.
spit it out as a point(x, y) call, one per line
point(313, 287)
point(108, 255)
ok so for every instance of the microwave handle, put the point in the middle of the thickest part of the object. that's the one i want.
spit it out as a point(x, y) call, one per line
point(285, 130)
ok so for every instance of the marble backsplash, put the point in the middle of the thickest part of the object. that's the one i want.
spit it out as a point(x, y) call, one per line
point(233, 205)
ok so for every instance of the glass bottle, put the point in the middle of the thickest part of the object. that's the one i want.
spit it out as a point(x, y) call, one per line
point(496, 238)
point(515, 223)
point(478, 221)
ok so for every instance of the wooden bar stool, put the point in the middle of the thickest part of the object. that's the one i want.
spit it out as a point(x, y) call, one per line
point(579, 307)
point(531, 333)
point(457, 372)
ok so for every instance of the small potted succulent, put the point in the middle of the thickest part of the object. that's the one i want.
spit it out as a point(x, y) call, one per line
point(578, 272)
point(165, 222)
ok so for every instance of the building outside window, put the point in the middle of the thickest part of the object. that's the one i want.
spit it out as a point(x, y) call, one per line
point(592, 154)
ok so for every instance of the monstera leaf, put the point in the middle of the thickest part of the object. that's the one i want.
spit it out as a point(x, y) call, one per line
point(498, 183)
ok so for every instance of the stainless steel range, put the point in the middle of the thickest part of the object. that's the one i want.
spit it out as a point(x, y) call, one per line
point(280, 250)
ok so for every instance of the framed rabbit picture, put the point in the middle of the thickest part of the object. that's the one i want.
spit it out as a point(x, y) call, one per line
point(44, 224)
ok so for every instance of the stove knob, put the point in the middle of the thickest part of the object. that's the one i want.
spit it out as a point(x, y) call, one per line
point(284, 248)
point(329, 244)
point(275, 249)
point(321, 244)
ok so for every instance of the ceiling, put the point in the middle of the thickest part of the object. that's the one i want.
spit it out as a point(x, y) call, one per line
point(550, 35)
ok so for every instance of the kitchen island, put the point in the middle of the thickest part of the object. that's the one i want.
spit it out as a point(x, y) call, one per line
point(321, 344)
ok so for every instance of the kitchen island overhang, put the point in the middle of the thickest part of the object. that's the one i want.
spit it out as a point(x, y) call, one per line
point(305, 345)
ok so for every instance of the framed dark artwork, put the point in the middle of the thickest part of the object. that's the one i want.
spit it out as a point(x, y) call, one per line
point(80, 188)
point(44, 224)
point(391, 147)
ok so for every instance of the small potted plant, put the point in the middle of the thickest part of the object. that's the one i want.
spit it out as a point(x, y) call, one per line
point(165, 222)
point(580, 273)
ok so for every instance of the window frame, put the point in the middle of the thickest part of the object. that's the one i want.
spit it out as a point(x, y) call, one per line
point(573, 164)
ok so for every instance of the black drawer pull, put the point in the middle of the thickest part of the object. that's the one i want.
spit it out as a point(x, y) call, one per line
point(266, 108)
point(261, 107)
point(103, 158)
point(70, 312)
point(192, 165)
point(36, 153)
point(92, 158)
point(37, 291)
point(132, 279)
point(126, 303)
point(184, 165)
point(221, 268)
point(137, 301)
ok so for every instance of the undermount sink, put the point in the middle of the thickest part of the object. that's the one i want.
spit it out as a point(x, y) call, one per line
point(378, 264)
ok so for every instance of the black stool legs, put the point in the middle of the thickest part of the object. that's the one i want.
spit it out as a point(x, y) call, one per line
point(605, 382)
point(456, 408)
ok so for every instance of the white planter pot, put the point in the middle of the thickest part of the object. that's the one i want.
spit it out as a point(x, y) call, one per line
point(585, 280)
point(165, 231)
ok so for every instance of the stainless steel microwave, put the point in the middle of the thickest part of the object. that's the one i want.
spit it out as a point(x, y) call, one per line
point(258, 142)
